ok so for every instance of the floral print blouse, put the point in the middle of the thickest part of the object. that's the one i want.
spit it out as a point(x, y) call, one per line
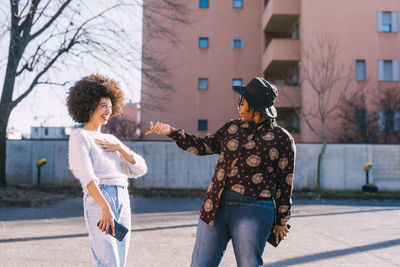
point(254, 161)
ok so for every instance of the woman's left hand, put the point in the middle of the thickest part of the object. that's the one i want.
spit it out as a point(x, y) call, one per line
point(280, 232)
point(107, 146)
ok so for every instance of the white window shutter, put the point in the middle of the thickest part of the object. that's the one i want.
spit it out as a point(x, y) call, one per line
point(381, 120)
point(380, 70)
point(396, 120)
point(395, 21)
point(395, 66)
point(379, 21)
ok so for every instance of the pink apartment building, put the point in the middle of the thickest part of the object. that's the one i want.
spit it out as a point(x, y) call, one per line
point(231, 41)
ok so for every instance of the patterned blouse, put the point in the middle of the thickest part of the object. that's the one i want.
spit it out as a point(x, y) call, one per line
point(254, 161)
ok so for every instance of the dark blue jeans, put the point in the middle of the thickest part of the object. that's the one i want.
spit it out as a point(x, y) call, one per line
point(244, 219)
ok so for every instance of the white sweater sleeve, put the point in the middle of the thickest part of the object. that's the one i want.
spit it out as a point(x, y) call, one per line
point(133, 170)
point(79, 158)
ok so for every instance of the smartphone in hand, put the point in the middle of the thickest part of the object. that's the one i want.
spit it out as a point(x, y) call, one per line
point(120, 230)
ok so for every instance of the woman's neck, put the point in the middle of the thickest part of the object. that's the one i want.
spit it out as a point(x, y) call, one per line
point(92, 127)
point(259, 119)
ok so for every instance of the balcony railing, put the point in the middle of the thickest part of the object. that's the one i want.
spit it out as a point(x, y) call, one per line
point(279, 16)
point(281, 56)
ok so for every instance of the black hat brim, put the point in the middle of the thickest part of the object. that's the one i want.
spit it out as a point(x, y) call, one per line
point(240, 90)
point(269, 111)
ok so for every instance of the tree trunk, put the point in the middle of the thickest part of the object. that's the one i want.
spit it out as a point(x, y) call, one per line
point(320, 156)
point(4, 116)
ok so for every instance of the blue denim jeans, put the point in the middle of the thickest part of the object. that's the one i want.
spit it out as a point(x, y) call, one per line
point(106, 250)
point(244, 219)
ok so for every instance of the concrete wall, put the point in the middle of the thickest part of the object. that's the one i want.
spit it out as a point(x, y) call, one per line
point(170, 167)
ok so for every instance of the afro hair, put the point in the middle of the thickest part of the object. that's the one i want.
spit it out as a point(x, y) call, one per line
point(84, 97)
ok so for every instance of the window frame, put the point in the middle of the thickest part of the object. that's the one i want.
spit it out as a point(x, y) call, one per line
point(205, 121)
point(237, 1)
point(364, 70)
point(237, 79)
point(395, 73)
point(237, 40)
point(385, 27)
point(361, 119)
point(204, 6)
point(199, 80)
point(204, 39)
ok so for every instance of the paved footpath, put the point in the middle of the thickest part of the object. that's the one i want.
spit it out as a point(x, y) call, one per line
point(324, 233)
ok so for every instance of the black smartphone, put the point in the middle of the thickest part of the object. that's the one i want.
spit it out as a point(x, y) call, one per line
point(120, 230)
point(272, 238)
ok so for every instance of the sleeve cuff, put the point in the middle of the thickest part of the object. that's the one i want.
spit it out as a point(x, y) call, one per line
point(86, 182)
point(174, 133)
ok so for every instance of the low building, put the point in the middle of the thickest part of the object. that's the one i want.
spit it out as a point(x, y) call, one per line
point(44, 132)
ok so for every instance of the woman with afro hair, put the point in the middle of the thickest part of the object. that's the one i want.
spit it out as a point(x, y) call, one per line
point(102, 163)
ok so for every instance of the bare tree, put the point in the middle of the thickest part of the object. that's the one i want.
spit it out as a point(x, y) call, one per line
point(123, 128)
point(354, 126)
point(328, 80)
point(49, 37)
point(378, 124)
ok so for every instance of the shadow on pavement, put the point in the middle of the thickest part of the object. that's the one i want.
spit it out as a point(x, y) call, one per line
point(23, 239)
point(342, 212)
point(334, 253)
point(74, 208)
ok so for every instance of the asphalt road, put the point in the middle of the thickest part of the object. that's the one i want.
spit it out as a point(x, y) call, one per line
point(324, 233)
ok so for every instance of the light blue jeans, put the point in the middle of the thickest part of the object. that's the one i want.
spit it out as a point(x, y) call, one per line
point(106, 250)
point(244, 219)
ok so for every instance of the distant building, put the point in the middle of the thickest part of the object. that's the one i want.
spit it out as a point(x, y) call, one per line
point(43, 132)
point(14, 134)
point(269, 38)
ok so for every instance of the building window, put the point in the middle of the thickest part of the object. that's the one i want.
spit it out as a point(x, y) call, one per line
point(292, 80)
point(202, 125)
point(389, 120)
point(46, 131)
point(297, 31)
point(289, 119)
point(202, 83)
point(237, 82)
point(361, 119)
point(36, 132)
point(237, 43)
point(387, 21)
point(388, 70)
point(203, 3)
point(360, 70)
point(203, 42)
point(237, 3)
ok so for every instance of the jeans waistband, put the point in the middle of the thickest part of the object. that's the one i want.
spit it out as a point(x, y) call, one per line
point(232, 196)
point(112, 186)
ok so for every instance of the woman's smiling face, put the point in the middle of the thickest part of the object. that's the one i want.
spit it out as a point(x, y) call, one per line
point(103, 112)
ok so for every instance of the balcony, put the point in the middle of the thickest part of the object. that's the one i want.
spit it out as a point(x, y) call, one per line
point(280, 15)
point(280, 57)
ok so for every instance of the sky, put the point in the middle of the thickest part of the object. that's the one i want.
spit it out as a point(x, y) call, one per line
point(47, 104)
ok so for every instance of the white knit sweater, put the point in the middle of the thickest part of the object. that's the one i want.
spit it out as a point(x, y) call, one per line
point(88, 162)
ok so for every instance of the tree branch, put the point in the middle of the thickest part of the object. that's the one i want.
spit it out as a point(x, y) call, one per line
point(52, 19)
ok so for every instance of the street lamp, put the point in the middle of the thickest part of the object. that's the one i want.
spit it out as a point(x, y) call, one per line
point(368, 188)
point(39, 165)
